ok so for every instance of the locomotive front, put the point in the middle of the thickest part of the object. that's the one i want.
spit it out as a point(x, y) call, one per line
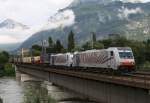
point(126, 59)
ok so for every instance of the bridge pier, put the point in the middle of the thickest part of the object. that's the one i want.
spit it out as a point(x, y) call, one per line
point(26, 77)
point(23, 77)
point(63, 94)
point(101, 91)
point(18, 75)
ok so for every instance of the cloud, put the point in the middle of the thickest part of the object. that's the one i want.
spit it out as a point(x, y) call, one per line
point(30, 12)
point(14, 35)
point(8, 39)
point(135, 1)
point(33, 13)
point(60, 19)
point(125, 12)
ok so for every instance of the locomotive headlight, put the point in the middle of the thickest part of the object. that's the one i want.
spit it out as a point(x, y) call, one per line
point(121, 63)
point(127, 63)
point(133, 63)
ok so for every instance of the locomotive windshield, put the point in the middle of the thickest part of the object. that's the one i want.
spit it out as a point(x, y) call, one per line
point(126, 55)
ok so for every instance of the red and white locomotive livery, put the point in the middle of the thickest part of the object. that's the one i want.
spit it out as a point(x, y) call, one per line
point(115, 58)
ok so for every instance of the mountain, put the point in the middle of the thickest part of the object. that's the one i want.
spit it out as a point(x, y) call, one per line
point(11, 33)
point(78, 2)
point(9, 47)
point(11, 24)
point(104, 17)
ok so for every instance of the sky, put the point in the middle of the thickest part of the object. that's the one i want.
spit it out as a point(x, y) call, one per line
point(30, 12)
point(136, 0)
point(33, 13)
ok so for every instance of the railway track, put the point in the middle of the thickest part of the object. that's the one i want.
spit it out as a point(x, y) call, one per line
point(141, 75)
point(136, 75)
point(135, 80)
point(143, 72)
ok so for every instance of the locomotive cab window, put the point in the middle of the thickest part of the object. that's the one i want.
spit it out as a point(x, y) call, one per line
point(127, 55)
point(111, 53)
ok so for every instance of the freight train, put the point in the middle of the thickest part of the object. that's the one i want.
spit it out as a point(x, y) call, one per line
point(113, 58)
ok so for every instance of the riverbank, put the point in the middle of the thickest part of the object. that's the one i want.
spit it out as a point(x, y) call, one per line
point(7, 70)
point(12, 91)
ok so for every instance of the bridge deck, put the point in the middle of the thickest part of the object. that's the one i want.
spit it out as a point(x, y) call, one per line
point(143, 83)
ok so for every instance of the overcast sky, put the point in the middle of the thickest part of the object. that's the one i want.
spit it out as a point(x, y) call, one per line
point(136, 0)
point(31, 13)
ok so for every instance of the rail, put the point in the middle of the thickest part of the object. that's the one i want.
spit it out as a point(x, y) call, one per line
point(139, 81)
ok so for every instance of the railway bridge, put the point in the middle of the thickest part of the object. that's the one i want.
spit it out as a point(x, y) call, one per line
point(97, 87)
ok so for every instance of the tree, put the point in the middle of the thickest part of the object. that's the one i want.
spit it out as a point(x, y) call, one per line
point(6, 54)
point(36, 53)
point(98, 45)
point(147, 50)
point(71, 42)
point(87, 46)
point(58, 47)
point(36, 50)
point(148, 41)
point(93, 37)
point(4, 57)
point(37, 47)
point(51, 48)
point(106, 42)
point(50, 41)
point(1, 101)
point(77, 48)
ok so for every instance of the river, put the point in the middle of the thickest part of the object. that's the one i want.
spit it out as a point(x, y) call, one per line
point(12, 91)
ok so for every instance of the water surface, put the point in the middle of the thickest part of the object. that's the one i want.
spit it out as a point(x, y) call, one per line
point(12, 91)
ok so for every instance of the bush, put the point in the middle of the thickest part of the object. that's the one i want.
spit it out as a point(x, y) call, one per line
point(35, 93)
point(2, 73)
point(1, 101)
point(146, 65)
point(9, 70)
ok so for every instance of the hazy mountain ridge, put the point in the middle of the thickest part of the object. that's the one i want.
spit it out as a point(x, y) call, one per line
point(129, 19)
point(11, 24)
point(9, 47)
point(10, 32)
